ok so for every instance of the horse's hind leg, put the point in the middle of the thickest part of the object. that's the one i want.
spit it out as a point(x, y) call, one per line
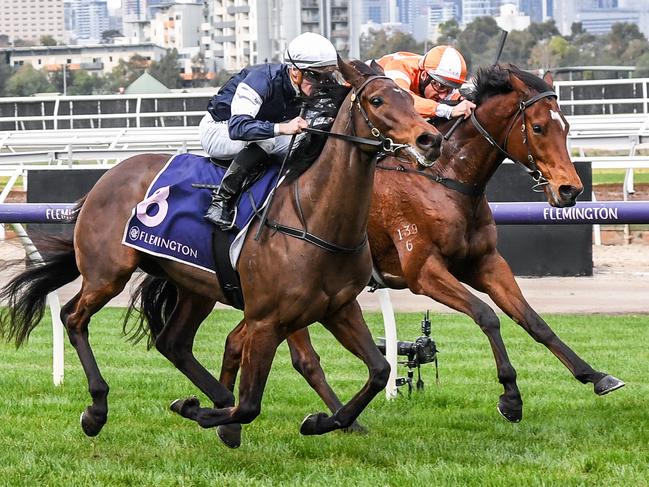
point(175, 342)
point(494, 276)
point(232, 356)
point(348, 326)
point(76, 316)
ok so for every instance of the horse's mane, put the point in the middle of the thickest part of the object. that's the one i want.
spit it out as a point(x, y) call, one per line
point(322, 109)
point(494, 80)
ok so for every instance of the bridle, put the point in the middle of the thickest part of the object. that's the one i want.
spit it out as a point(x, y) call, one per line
point(385, 145)
point(531, 168)
point(474, 190)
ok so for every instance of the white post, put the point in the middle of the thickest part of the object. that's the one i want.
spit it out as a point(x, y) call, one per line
point(55, 308)
point(57, 339)
point(390, 327)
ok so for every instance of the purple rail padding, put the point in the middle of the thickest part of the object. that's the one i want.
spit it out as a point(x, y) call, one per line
point(605, 213)
point(36, 212)
point(587, 212)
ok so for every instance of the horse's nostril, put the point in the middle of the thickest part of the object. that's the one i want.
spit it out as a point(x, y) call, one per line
point(428, 140)
point(569, 192)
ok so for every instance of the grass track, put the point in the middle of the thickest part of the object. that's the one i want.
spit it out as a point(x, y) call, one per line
point(447, 435)
point(616, 176)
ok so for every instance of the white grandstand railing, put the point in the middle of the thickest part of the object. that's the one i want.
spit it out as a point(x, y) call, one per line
point(611, 96)
point(96, 111)
point(591, 97)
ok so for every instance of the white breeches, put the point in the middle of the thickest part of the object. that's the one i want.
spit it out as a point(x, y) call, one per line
point(216, 141)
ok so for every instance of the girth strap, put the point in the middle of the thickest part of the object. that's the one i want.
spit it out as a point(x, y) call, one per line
point(460, 187)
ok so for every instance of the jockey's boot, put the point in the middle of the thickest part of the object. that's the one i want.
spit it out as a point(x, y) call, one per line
point(220, 211)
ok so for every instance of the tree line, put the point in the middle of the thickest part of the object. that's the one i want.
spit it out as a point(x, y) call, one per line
point(539, 46)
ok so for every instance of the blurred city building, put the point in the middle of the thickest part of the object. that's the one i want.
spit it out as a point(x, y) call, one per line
point(29, 20)
point(237, 33)
point(87, 20)
point(92, 58)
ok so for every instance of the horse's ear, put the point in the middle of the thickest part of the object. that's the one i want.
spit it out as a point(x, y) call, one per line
point(350, 73)
point(377, 67)
point(518, 85)
point(549, 79)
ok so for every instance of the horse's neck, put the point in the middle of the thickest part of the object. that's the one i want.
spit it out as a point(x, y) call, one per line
point(335, 192)
point(469, 157)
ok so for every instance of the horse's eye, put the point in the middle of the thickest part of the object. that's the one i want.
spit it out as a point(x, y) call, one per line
point(537, 129)
point(377, 101)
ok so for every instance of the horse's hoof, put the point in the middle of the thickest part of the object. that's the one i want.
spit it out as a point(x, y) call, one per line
point(607, 384)
point(90, 425)
point(185, 407)
point(510, 413)
point(356, 428)
point(311, 424)
point(230, 434)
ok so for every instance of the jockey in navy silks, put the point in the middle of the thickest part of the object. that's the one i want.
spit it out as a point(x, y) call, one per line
point(255, 113)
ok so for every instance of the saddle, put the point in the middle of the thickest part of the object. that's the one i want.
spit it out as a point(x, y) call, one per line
point(169, 221)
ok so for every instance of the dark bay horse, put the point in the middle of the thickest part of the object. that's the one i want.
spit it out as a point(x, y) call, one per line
point(287, 283)
point(430, 231)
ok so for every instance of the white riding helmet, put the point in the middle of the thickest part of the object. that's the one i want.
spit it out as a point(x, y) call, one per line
point(310, 50)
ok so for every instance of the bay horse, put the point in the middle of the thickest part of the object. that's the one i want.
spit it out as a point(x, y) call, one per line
point(287, 282)
point(432, 230)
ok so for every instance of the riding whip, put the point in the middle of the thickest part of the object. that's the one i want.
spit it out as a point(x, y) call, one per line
point(499, 51)
point(264, 215)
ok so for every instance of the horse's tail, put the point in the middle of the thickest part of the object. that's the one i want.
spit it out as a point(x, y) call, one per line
point(26, 293)
point(154, 300)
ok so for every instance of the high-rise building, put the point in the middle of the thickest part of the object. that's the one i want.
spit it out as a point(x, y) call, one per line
point(30, 20)
point(597, 16)
point(89, 20)
point(472, 9)
point(237, 33)
point(375, 11)
point(537, 10)
point(403, 12)
point(439, 13)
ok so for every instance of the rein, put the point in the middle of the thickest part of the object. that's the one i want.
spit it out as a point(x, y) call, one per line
point(474, 190)
point(386, 144)
point(309, 237)
point(532, 169)
point(459, 186)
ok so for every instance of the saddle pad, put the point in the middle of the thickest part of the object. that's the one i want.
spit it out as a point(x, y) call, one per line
point(169, 222)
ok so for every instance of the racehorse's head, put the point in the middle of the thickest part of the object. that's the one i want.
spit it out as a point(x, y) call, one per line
point(381, 110)
point(537, 130)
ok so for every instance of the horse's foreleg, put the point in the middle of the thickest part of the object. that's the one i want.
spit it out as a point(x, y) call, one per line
point(434, 280)
point(307, 362)
point(348, 326)
point(259, 347)
point(303, 356)
point(494, 277)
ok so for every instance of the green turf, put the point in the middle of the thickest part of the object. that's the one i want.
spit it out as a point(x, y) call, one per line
point(450, 434)
point(616, 176)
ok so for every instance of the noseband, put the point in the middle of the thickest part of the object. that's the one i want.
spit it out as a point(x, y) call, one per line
point(531, 167)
